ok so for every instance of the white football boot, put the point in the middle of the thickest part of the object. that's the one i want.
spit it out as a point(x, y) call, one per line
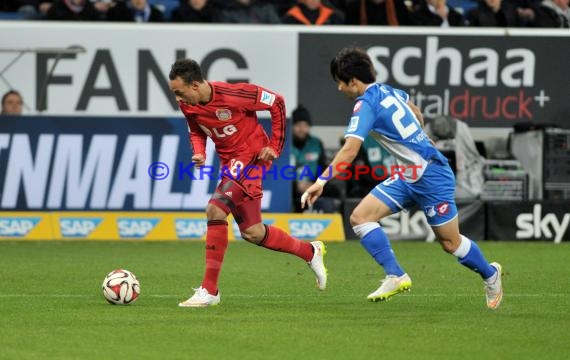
point(494, 290)
point(201, 298)
point(391, 285)
point(317, 264)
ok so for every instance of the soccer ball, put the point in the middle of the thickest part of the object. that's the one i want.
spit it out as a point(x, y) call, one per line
point(121, 287)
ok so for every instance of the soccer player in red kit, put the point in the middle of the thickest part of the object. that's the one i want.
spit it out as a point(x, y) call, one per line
point(226, 113)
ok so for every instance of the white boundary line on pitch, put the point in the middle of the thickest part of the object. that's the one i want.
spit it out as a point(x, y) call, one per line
point(277, 296)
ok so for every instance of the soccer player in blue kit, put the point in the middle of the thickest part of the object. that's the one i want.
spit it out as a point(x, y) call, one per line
point(395, 122)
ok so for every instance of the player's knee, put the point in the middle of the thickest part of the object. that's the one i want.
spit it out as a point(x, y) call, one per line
point(356, 218)
point(215, 213)
point(254, 234)
point(449, 243)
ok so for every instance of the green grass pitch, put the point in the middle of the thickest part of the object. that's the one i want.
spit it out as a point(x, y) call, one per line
point(51, 306)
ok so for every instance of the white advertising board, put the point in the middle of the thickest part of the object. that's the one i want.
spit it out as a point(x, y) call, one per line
point(123, 69)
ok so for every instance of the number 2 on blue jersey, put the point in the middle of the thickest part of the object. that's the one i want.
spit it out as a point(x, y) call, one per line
point(398, 115)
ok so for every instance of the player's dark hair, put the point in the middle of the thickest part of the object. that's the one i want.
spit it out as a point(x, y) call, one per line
point(8, 93)
point(187, 69)
point(352, 63)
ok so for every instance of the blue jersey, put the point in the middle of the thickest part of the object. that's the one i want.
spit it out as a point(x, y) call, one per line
point(383, 112)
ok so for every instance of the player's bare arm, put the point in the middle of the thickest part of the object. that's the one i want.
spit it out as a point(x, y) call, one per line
point(346, 154)
point(417, 112)
point(199, 160)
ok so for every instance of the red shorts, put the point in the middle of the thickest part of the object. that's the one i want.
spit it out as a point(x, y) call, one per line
point(241, 193)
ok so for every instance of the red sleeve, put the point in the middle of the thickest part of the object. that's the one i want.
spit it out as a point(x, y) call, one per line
point(197, 137)
point(278, 124)
point(256, 98)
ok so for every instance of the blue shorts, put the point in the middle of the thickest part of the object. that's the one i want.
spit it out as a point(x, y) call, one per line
point(434, 192)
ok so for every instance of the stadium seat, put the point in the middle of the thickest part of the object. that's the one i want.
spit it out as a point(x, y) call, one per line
point(10, 16)
point(166, 6)
point(462, 6)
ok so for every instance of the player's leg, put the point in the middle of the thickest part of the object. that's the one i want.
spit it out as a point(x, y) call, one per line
point(248, 217)
point(216, 244)
point(471, 256)
point(435, 192)
point(387, 198)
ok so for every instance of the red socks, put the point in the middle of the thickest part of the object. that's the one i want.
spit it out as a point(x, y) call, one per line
point(278, 240)
point(216, 245)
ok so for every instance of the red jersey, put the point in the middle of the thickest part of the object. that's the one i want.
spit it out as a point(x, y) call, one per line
point(229, 119)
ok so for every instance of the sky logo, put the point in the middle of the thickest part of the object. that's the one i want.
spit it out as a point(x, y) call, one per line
point(191, 228)
point(135, 228)
point(307, 229)
point(17, 227)
point(78, 227)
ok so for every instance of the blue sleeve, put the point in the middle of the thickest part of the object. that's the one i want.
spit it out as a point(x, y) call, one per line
point(361, 121)
point(404, 95)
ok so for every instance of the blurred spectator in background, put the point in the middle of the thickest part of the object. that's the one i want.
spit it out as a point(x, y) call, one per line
point(31, 9)
point(378, 12)
point(245, 12)
point(436, 13)
point(12, 103)
point(282, 6)
point(135, 10)
point(308, 154)
point(193, 11)
point(9, 6)
point(453, 138)
point(547, 14)
point(494, 13)
point(313, 12)
point(73, 10)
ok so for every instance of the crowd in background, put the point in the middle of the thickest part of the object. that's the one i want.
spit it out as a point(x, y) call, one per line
point(486, 13)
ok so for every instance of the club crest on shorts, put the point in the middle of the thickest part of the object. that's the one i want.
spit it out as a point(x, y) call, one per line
point(223, 114)
point(442, 208)
point(430, 211)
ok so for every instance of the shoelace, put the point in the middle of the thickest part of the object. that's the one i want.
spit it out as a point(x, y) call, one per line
point(492, 290)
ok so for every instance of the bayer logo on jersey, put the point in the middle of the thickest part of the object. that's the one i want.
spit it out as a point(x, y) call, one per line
point(223, 114)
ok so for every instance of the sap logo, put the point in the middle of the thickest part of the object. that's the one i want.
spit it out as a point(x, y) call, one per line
point(190, 228)
point(307, 229)
point(78, 227)
point(536, 226)
point(17, 227)
point(135, 228)
point(237, 232)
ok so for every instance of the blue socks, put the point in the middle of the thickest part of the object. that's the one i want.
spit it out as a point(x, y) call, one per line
point(375, 241)
point(469, 255)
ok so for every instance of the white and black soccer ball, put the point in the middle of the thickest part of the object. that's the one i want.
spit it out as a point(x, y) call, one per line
point(121, 287)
